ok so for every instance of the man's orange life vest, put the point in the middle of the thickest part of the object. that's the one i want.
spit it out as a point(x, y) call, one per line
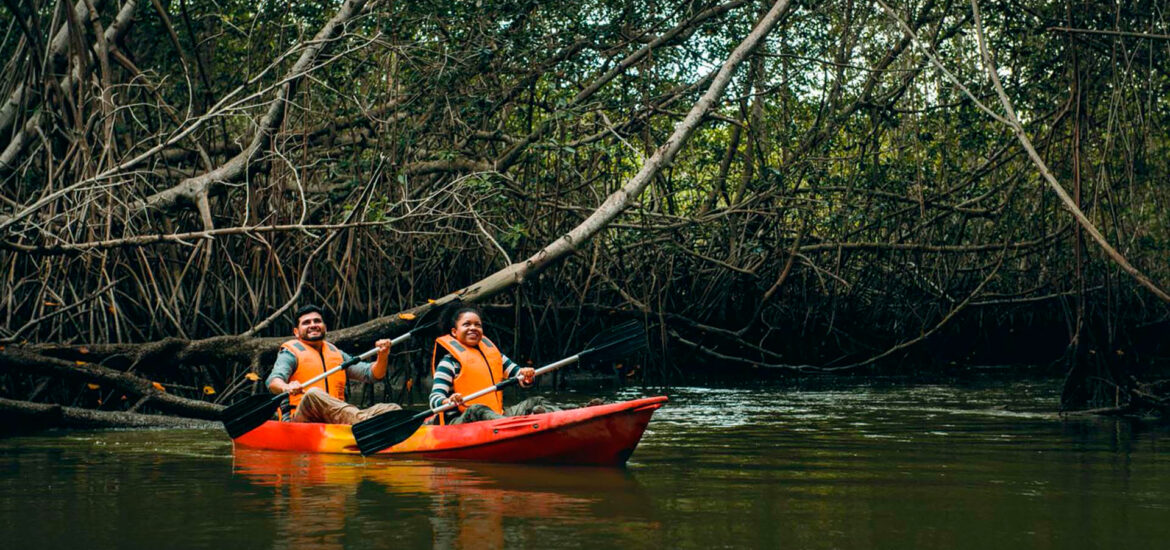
point(310, 363)
point(478, 369)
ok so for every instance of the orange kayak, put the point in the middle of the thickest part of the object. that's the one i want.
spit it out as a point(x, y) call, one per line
point(602, 435)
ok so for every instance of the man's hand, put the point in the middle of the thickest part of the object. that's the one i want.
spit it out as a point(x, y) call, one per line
point(383, 346)
point(527, 375)
point(456, 398)
point(294, 388)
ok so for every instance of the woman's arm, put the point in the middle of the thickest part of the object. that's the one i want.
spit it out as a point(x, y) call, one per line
point(512, 370)
point(445, 373)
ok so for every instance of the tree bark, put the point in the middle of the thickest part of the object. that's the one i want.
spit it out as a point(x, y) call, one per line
point(621, 199)
point(23, 416)
point(193, 190)
point(25, 362)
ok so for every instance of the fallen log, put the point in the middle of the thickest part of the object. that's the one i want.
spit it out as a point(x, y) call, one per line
point(25, 417)
point(25, 362)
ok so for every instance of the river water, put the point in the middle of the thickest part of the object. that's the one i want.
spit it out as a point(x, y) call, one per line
point(980, 463)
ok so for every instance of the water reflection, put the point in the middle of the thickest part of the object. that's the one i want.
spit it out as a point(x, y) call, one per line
point(872, 467)
point(320, 500)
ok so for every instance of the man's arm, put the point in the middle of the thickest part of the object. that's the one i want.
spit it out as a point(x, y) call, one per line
point(369, 372)
point(282, 370)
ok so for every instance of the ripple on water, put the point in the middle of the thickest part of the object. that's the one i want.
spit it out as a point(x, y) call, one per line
point(875, 465)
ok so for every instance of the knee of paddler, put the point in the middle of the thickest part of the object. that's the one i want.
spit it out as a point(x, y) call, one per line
point(314, 394)
point(480, 412)
point(537, 405)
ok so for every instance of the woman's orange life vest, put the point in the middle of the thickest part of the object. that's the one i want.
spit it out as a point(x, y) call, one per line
point(310, 363)
point(479, 368)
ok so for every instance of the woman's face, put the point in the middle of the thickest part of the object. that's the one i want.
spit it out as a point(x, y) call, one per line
point(468, 329)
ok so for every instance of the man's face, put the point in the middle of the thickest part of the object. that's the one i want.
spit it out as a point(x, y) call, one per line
point(310, 327)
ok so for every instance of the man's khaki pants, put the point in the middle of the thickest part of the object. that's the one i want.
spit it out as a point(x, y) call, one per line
point(318, 406)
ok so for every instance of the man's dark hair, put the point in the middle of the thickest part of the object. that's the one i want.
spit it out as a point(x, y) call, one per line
point(305, 310)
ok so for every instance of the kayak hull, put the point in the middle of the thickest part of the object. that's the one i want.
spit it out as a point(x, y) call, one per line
point(602, 435)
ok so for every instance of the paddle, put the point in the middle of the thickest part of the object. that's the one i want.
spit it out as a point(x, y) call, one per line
point(248, 414)
point(384, 431)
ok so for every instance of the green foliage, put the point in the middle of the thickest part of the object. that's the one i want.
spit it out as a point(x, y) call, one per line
point(837, 145)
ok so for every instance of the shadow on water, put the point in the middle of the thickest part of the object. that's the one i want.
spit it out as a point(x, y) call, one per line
point(338, 501)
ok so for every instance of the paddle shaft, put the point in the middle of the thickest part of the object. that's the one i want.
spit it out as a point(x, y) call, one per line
point(547, 368)
point(353, 361)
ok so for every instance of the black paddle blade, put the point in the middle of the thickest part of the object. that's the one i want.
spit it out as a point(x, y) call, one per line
point(248, 414)
point(616, 342)
point(615, 332)
point(386, 430)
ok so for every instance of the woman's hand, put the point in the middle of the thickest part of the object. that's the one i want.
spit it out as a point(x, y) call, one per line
point(456, 398)
point(527, 375)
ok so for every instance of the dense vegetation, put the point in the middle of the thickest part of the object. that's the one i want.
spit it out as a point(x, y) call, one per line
point(175, 172)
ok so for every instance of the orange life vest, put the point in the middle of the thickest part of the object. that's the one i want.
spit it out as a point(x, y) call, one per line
point(310, 363)
point(478, 369)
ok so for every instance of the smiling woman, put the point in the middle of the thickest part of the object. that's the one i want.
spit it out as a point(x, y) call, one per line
point(467, 326)
point(470, 362)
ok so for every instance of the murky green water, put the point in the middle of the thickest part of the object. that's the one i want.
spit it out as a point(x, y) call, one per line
point(978, 465)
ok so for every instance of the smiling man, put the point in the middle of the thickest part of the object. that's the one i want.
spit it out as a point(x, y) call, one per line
point(309, 355)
